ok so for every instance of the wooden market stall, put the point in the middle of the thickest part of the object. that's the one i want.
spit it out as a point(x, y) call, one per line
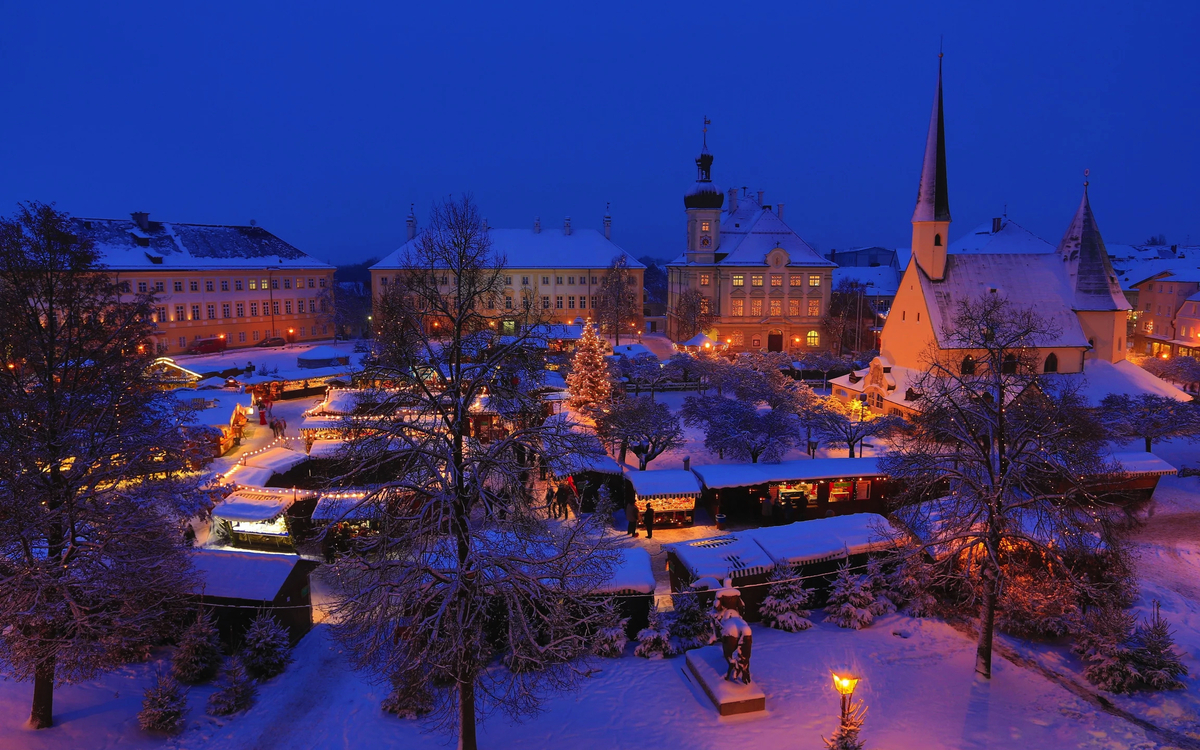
point(822, 545)
point(237, 584)
point(259, 517)
point(705, 563)
point(632, 588)
point(672, 492)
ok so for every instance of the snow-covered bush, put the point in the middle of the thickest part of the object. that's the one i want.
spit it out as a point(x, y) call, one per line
point(266, 649)
point(849, 604)
point(1103, 643)
point(1037, 605)
point(164, 707)
point(846, 737)
point(786, 605)
point(912, 585)
point(654, 640)
point(692, 625)
point(610, 641)
point(198, 656)
point(878, 585)
point(236, 693)
point(1154, 653)
point(409, 699)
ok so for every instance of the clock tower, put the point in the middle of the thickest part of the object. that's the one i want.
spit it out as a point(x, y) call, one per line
point(703, 203)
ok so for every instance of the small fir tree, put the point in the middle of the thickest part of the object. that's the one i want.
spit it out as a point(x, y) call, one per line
point(912, 586)
point(877, 584)
point(849, 601)
point(654, 640)
point(1154, 653)
point(786, 604)
point(611, 640)
point(846, 736)
point(198, 656)
point(409, 699)
point(164, 707)
point(588, 381)
point(236, 693)
point(691, 626)
point(267, 649)
point(1103, 643)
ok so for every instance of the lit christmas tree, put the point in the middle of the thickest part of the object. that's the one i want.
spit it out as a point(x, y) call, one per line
point(589, 383)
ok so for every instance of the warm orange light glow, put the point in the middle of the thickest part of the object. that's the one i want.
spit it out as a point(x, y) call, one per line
point(290, 330)
point(221, 336)
point(707, 345)
point(844, 684)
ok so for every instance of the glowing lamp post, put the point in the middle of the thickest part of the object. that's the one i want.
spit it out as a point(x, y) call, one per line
point(852, 715)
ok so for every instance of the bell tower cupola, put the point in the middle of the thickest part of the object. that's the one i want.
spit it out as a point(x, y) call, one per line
point(703, 203)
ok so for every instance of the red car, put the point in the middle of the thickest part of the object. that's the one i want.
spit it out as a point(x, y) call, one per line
point(208, 346)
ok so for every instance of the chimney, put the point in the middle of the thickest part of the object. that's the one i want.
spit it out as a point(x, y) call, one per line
point(607, 224)
point(997, 224)
point(411, 223)
point(732, 200)
point(142, 219)
point(779, 210)
point(567, 225)
point(760, 195)
point(537, 225)
point(687, 463)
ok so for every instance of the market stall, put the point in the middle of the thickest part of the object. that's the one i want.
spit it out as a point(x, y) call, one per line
point(821, 545)
point(672, 492)
point(238, 584)
point(258, 517)
point(632, 587)
point(708, 562)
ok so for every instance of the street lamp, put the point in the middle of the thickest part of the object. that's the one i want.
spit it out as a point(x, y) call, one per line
point(852, 716)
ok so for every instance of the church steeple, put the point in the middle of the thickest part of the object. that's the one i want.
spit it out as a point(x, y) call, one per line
point(1086, 261)
point(703, 203)
point(931, 218)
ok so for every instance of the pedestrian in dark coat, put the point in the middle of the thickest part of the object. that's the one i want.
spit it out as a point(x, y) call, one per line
point(563, 496)
point(648, 520)
point(631, 514)
point(549, 500)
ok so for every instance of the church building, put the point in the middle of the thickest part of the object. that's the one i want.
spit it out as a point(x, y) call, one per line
point(1072, 285)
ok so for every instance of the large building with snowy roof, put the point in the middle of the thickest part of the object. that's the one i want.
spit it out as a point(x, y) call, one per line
point(560, 268)
point(1073, 286)
point(765, 287)
point(235, 284)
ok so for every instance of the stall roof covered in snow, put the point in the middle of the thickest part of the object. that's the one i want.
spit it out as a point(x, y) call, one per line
point(124, 245)
point(1141, 463)
point(632, 571)
point(663, 483)
point(823, 539)
point(214, 408)
point(528, 249)
point(249, 475)
point(343, 505)
point(718, 476)
point(277, 459)
point(732, 555)
point(255, 505)
point(229, 574)
point(326, 448)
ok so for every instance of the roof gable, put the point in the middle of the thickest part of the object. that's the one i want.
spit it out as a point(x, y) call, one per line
point(751, 232)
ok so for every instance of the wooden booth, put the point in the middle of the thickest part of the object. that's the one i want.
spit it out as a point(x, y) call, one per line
point(1138, 476)
point(632, 588)
point(236, 585)
point(672, 492)
point(262, 517)
point(706, 563)
point(794, 490)
point(822, 545)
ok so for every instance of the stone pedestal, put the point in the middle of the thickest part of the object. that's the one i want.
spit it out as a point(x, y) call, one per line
point(708, 666)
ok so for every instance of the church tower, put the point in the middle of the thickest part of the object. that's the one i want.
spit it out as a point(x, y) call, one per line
point(1098, 301)
point(931, 219)
point(703, 203)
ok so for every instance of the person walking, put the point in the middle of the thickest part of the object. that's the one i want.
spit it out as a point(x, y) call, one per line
point(631, 514)
point(562, 497)
point(648, 520)
point(549, 500)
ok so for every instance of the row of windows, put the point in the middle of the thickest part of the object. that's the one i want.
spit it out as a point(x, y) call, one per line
point(737, 307)
point(570, 302)
point(757, 279)
point(444, 280)
point(738, 338)
point(301, 332)
point(210, 284)
point(238, 309)
point(1009, 364)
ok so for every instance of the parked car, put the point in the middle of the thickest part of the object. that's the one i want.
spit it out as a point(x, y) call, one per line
point(208, 346)
point(273, 341)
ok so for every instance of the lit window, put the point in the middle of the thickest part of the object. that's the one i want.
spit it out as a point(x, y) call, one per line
point(796, 280)
point(814, 279)
point(738, 306)
point(776, 279)
point(776, 308)
point(756, 279)
point(739, 338)
point(794, 307)
point(705, 226)
point(705, 279)
point(813, 338)
point(704, 305)
point(253, 285)
point(739, 280)
point(814, 308)
point(755, 308)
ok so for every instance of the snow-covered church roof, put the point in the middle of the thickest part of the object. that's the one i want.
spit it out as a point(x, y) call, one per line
point(1011, 238)
point(751, 231)
point(538, 249)
point(1089, 270)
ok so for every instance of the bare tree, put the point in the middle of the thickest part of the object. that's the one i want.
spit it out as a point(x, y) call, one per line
point(740, 429)
point(92, 561)
point(693, 313)
point(850, 423)
point(849, 319)
point(618, 299)
point(994, 463)
point(1149, 417)
point(466, 593)
point(642, 426)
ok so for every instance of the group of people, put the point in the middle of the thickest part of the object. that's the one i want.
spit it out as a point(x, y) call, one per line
point(558, 500)
point(278, 426)
point(631, 516)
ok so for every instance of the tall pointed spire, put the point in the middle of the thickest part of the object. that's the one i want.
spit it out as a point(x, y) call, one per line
point(933, 198)
point(1086, 261)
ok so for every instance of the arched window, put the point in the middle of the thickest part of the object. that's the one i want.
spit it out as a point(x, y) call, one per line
point(1009, 365)
point(937, 240)
point(1051, 363)
point(968, 365)
point(813, 338)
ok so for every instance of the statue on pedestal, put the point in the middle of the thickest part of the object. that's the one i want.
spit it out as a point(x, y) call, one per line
point(736, 638)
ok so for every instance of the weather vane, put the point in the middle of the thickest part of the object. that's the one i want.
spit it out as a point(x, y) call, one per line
point(707, 122)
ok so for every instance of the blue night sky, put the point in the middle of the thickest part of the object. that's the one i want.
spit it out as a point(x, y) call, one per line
point(324, 121)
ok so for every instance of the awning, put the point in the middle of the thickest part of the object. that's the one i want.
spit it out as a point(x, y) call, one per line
point(717, 476)
point(663, 483)
point(276, 459)
point(733, 556)
point(253, 505)
point(249, 475)
point(1141, 464)
point(343, 506)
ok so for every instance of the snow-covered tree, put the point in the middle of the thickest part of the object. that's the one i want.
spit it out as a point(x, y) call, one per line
point(654, 640)
point(610, 640)
point(266, 648)
point(93, 567)
point(618, 302)
point(409, 699)
point(850, 423)
point(693, 314)
point(823, 362)
point(786, 605)
point(1159, 664)
point(164, 705)
point(198, 655)
point(850, 602)
point(1149, 417)
point(1035, 604)
point(465, 585)
point(846, 737)
point(647, 371)
point(643, 426)
point(236, 692)
point(878, 584)
point(1123, 655)
point(912, 585)
point(740, 430)
point(589, 381)
point(1009, 454)
point(692, 625)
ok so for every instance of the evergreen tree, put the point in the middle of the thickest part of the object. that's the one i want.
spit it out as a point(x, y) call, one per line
point(912, 584)
point(846, 736)
point(786, 604)
point(267, 649)
point(236, 693)
point(611, 640)
point(588, 381)
point(654, 640)
point(1154, 654)
point(877, 584)
point(164, 707)
point(198, 656)
point(849, 602)
point(691, 626)
point(1103, 643)
point(410, 698)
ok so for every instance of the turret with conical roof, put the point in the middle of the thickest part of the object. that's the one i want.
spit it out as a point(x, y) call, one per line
point(931, 218)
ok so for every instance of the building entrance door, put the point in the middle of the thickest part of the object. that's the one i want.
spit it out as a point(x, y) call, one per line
point(774, 341)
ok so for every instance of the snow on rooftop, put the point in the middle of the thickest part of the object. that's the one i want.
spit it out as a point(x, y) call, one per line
point(1012, 238)
point(720, 557)
point(250, 476)
point(632, 571)
point(718, 476)
point(549, 248)
point(1143, 463)
point(277, 459)
point(750, 232)
point(663, 482)
point(632, 351)
point(1123, 378)
point(343, 506)
point(240, 574)
point(823, 539)
point(254, 505)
